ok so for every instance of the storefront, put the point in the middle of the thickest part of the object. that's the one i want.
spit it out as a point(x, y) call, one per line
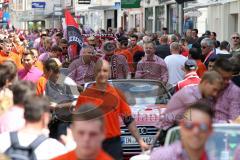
point(36, 25)
point(159, 14)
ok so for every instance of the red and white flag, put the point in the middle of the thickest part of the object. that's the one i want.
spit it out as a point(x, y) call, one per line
point(74, 36)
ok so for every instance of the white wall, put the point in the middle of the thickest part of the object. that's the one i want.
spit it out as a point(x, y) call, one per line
point(224, 19)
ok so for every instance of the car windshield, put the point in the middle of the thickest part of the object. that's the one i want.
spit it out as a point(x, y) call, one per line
point(141, 93)
point(223, 142)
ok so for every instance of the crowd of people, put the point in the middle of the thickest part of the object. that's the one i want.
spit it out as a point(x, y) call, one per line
point(38, 73)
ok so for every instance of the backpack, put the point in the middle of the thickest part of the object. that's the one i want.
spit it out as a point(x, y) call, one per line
point(18, 152)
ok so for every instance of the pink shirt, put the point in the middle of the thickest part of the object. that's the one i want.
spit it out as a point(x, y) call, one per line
point(12, 119)
point(178, 104)
point(32, 75)
point(227, 106)
point(174, 151)
point(156, 69)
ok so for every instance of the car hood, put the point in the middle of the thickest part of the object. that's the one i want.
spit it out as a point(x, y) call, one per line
point(147, 114)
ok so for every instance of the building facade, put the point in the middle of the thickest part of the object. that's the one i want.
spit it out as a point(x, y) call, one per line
point(162, 13)
point(100, 14)
point(38, 14)
point(224, 18)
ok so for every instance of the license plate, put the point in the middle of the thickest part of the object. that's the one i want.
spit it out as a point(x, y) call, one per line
point(129, 140)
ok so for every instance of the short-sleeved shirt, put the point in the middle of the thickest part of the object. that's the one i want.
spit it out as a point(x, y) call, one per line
point(155, 69)
point(175, 65)
point(30, 75)
point(174, 151)
point(73, 156)
point(111, 102)
point(227, 106)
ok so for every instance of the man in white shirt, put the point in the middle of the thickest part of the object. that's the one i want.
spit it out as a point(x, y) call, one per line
point(37, 117)
point(175, 64)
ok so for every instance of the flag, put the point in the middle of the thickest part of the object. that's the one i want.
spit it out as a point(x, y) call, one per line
point(74, 36)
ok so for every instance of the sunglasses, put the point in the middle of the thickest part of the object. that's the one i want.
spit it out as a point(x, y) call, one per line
point(235, 37)
point(189, 125)
point(203, 47)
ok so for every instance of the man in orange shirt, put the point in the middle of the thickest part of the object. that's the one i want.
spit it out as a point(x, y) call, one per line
point(112, 102)
point(6, 54)
point(133, 45)
point(122, 46)
point(87, 130)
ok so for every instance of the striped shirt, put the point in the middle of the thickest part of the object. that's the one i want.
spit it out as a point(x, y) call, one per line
point(81, 72)
point(174, 151)
point(119, 66)
point(156, 69)
point(227, 106)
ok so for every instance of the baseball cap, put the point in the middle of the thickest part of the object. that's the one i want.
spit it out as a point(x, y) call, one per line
point(190, 64)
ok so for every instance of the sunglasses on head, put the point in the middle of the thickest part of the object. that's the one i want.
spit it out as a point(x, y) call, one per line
point(189, 125)
point(235, 37)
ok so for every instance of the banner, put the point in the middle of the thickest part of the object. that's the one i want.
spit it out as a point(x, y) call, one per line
point(74, 36)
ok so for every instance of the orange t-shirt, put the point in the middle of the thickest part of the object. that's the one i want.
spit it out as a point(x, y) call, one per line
point(11, 56)
point(128, 55)
point(135, 49)
point(201, 68)
point(72, 156)
point(18, 50)
point(41, 85)
point(112, 104)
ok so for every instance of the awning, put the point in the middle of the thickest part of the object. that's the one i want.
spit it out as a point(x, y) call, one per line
point(101, 8)
point(207, 4)
point(130, 3)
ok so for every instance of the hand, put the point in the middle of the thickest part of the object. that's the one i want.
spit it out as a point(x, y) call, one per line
point(144, 146)
point(68, 140)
